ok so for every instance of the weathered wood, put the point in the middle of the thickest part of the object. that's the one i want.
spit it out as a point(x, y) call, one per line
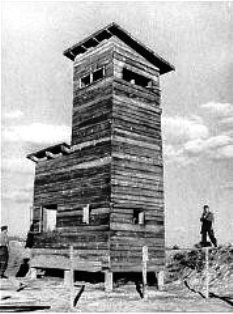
point(22, 307)
point(71, 284)
point(206, 272)
point(123, 53)
point(160, 279)
point(108, 281)
point(50, 155)
point(145, 259)
point(114, 167)
point(33, 273)
point(67, 278)
point(91, 263)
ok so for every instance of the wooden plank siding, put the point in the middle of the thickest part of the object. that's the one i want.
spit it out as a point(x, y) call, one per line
point(136, 169)
point(115, 165)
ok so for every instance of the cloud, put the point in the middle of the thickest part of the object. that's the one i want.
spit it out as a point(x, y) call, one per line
point(228, 121)
point(19, 140)
point(37, 133)
point(187, 139)
point(218, 109)
point(227, 186)
point(215, 147)
point(179, 129)
point(210, 144)
point(17, 165)
point(175, 154)
point(15, 114)
point(225, 152)
point(19, 195)
point(220, 113)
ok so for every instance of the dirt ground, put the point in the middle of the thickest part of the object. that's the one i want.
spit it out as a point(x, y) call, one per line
point(176, 297)
point(51, 291)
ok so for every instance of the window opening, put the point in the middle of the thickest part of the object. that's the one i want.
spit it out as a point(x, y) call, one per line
point(86, 214)
point(135, 78)
point(92, 77)
point(86, 80)
point(98, 74)
point(49, 218)
point(138, 217)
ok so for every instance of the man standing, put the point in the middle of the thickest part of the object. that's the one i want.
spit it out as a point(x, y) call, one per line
point(207, 219)
point(4, 251)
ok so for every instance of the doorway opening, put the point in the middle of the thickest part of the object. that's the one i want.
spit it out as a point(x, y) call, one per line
point(49, 217)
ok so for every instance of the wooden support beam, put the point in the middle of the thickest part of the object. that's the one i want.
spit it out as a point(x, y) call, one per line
point(22, 307)
point(96, 40)
point(108, 31)
point(108, 281)
point(160, 280)
point(71, 253)
point(73, 55)
point(33, 273)
point(65, 150)
point(207, 272)
point(67, 276)
point(50, 155)
point(69, 273)
point(83, 46)
point(144, 271)
point(33, 158)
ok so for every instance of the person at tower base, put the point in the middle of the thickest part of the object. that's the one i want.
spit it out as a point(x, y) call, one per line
point(207, 219)
point(4, 251)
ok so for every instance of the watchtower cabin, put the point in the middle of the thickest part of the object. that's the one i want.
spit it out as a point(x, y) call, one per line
point(103, 194)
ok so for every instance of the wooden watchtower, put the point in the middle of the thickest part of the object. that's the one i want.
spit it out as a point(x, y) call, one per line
point(104, 193)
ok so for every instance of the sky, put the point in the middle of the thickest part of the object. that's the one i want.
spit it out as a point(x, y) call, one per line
point(197, 100)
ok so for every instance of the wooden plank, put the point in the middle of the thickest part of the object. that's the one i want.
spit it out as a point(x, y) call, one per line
point(83, 96)
point(99, 162)
point(148, 108)
point(117, 226)
point(121, 87)
point(92, 56)
point(139, 143)
point(125, 54)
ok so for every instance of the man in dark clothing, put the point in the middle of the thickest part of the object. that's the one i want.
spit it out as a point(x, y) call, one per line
point(30, 237)
point(4, 251)
point(25, 266)
point(207, 219)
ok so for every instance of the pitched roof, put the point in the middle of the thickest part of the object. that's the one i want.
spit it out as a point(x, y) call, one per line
point(114, 29)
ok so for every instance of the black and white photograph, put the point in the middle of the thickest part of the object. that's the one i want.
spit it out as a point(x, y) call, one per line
point(116, 156)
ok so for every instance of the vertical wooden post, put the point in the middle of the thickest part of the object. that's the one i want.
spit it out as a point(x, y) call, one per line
point(41, 219)
point(160, 280)
point(91, 77)
point(207, 272)
point(66, 277)
point(144, 271)
point(108, 281)
point(33, 273)
point(71, 276)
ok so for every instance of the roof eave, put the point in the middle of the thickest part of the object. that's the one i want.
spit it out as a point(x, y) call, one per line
point(53, 149)
point(115, 29)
